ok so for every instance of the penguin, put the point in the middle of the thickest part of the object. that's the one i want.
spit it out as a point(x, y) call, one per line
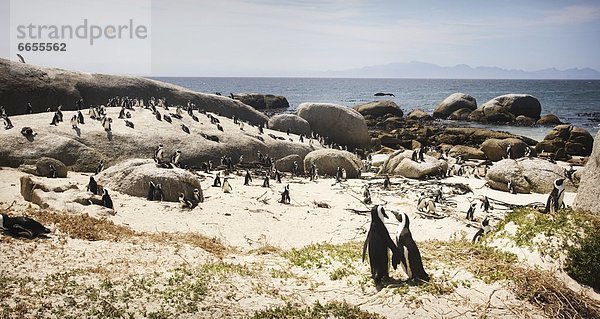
point(22, 226)
point(378, 242)
point(247, 178)
point(151, 190)
point(439, 195)
point(106, 124)
point(185, 203)
point(158, 154)
point(129, 124)
point(483, 230)
point(569, 172)
point(511, 188)
point(198, 196)
point(528, 152)
point(185, 128)
point(122, 113)
point(195, 118)
point(80, 118)
point(7, 123)
point(21, 59)
point(302, 138)
point(158, 193)
point(366, 195)
point(386, 182)
point(52, 171)
point(178, 110)
point(74, 121)
point(288, 131)
point(344, 175)
point(241, 159)
point(555, 199)
point(338, 175)
point(226, 186)
point(92, 186)
point(421, 154)
point(471, 212)
point(509, 151)
point(295, 168)
point(285, 195)
point(157, 115)
point(217, 181)
point(28, 132)
point(485, 204)
point(106, 200)
point(410, 259)
point(29, 109)
point(266, 181)
point(59, 113)
point(175, 158)
point(219, 127)
point(167, 118)
point(100, 166)
point(55, 120)
point(414, 157)
point(277, 176)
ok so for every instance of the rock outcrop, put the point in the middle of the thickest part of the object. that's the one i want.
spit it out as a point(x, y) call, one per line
point(80, 149)
point(328, 160)
point(453, 103)
point(549, 119)
point(262, 101)
point(460, 114)
point(287, 163)
point(400, 163)
point(466, 152)
point(42, 167)
point(505, 108)
point(132, 177)
point(588, 194)
point(527, 175)
point(296, 124)
point(379, 108)
point(340, 124)
point(21, 83)
point(565, 140)
point(419, 115)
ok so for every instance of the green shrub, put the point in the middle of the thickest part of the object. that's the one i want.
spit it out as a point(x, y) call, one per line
point(583, 261)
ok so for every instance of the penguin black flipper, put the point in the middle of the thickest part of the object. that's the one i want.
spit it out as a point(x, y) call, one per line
point(364, 250)
point(414, 256)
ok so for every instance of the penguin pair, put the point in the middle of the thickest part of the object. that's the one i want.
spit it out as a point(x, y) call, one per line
point(483, 230)
point(285, 195)
point(22, 226)
point(155, 192)
point(191, 203)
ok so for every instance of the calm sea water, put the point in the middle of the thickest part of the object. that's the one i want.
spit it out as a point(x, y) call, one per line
point(573, 101)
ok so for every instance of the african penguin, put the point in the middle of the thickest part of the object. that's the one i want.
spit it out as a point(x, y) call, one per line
point(217, 181)
point(285, 195)
point(52, 171)
point(485, 204)
point(366, 195)
point(386, 182)
point(247, 178)
point(226, 186)
point(158, 154)
point(378, 242)
point(80, 117)
point(555, 199)
point(185, 203)
point(106, 200)
point(22, 226)
point(471, 212)
point(151, 189)
point(129, 124)
point(175, 158)
point(92, 186)
point(198, 196)
point(185, 128)
point(74, 121)
point(158, 193)
point(266, 181)
point(100, 166)
point(167, 118)
point(410, 259)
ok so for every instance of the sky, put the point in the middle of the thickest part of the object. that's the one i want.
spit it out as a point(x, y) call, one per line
point(294, 38)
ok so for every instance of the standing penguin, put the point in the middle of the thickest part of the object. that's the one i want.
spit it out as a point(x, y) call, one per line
point(295, 169)
point(198, 196)
point(471, 211)
point(226, 186)
point(485, 204)
point(555, 199)
point(158, 193)
point(106, 200)
point(483, 230)
point(80, 118)
point(22, 226)
point(285, 195)
point(100, 166)
point(266, 181)
point(410, 259)
point(217, 181)
point(92, 186)
point(366, 194)
point(386, 182)
point(74, 121)
point(247, 178)
point(175, 158)
point(151, 189)
point(378, 242)
point(338, 175)
point(277, 176)
point(52, 171)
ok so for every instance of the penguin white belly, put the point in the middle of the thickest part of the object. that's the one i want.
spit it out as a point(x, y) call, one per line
point(407, 268)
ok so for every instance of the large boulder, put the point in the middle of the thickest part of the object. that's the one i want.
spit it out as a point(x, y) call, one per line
point(588, 194)
point(400, 163)
point(466, 152)
point(495, 149)
point(30, 183)
point(42, 167)
point(328, 160)
point(342, 125)
point(514, 104)
point(419, 115)
point(471, 136)
point(80, 150)
point(453, 103)
point(262, 101)
point(523, 120)
point(527, 175)
point(549, 119)
point(287, 163)
point(566, 140)
point(21, 83)
point(133, 176)
point(379, 109)
point(293, 122)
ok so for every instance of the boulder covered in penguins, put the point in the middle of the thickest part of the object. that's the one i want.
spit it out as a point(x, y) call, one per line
point(526, 175)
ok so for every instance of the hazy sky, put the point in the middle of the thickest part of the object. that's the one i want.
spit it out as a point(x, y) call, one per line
point(283, 38)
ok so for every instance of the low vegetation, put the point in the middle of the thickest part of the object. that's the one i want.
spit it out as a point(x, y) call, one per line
point(330, 310)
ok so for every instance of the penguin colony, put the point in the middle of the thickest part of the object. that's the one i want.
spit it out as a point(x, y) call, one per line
point(378, 241)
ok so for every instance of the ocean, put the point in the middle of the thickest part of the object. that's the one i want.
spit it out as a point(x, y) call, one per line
point(573, 101)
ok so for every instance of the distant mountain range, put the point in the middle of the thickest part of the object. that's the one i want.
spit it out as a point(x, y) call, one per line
point(461, 71)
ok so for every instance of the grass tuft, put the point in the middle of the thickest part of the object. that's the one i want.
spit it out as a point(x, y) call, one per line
point(330, 310)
